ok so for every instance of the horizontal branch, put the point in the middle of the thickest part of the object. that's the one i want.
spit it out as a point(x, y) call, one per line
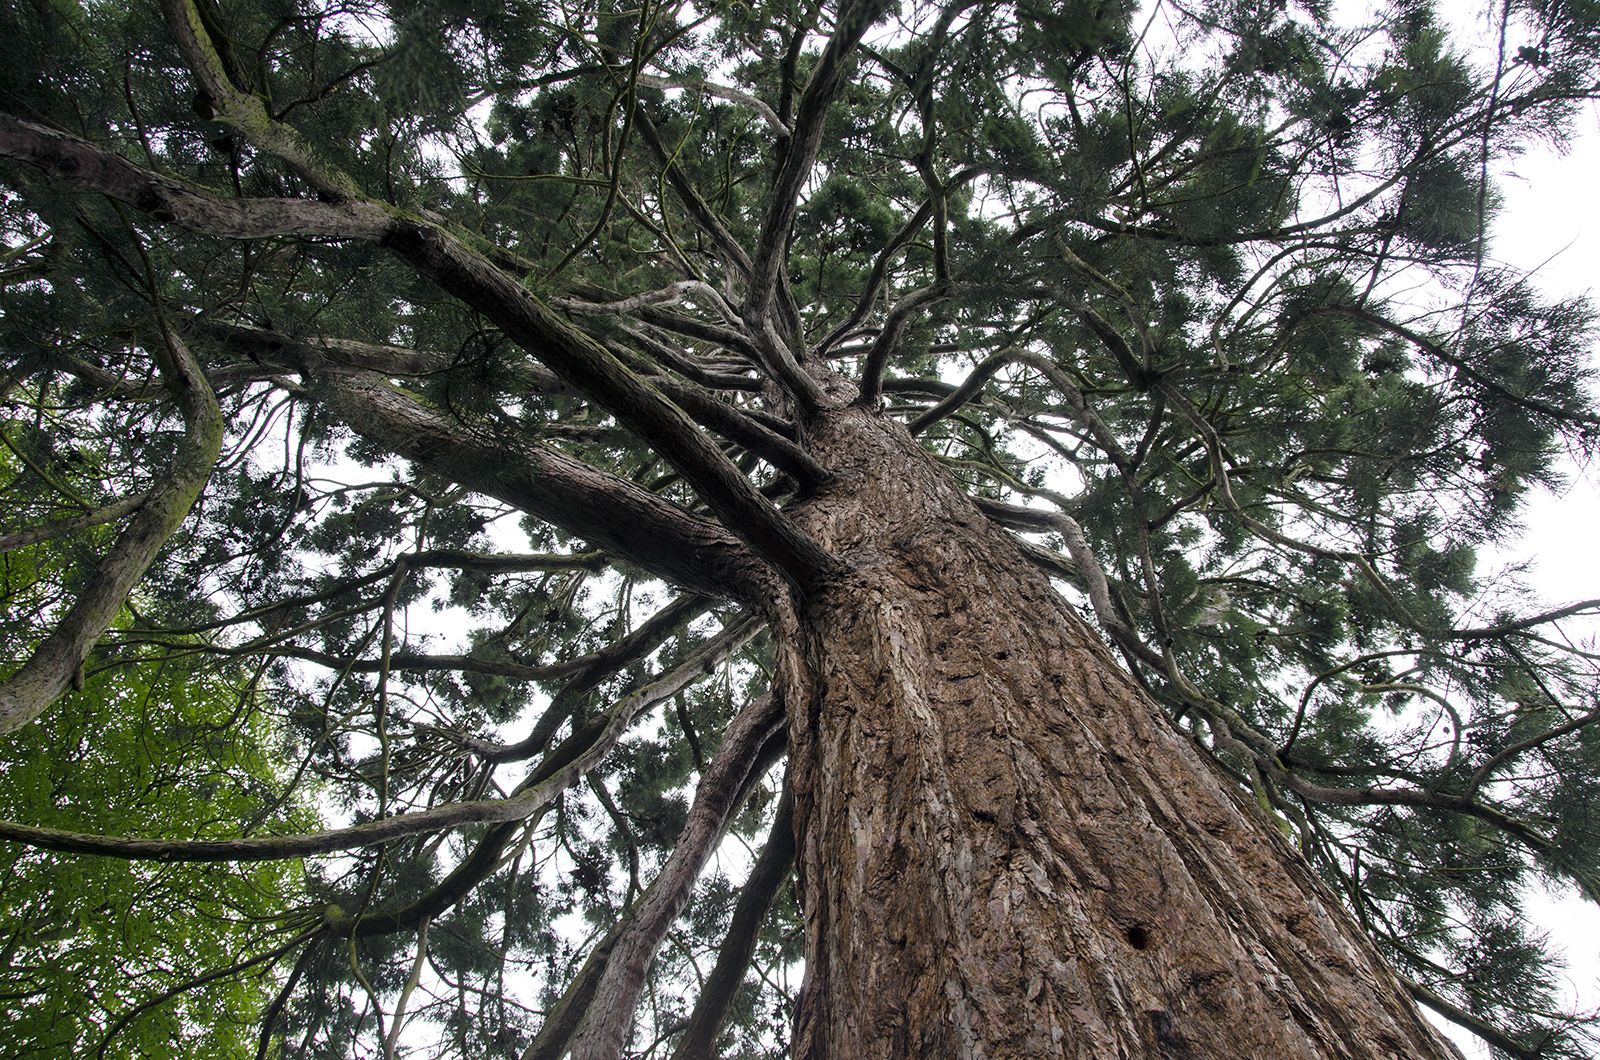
point(528, 799)
point(167, 199)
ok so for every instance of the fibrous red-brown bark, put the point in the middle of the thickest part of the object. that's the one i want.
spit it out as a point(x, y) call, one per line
point(1005, 849)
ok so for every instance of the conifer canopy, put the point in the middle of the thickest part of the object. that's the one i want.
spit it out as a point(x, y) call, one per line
point(417, 493)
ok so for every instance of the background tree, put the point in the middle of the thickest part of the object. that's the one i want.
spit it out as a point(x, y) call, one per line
point(546, 420)
point(132, 954)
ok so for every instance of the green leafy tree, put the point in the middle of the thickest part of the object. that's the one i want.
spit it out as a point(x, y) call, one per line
point(108, 956)
point(1015, 469)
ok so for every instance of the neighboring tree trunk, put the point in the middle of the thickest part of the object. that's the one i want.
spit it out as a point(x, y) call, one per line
point(1005, 849)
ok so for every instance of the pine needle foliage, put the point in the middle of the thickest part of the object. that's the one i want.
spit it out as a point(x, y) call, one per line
point(503, 315)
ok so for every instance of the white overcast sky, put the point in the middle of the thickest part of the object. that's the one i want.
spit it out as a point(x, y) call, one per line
point(1551, 221)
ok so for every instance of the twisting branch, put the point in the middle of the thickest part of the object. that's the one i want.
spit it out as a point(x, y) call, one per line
point(1138, 370)
point(643, 409)
point(746, 431)
point(1506, 754)
point(1079, 406)
point(587, 676)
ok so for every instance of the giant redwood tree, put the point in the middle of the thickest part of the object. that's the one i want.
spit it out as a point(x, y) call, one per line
point(938, 529)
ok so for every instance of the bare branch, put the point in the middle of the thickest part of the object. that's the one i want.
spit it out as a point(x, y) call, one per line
point(63, 527)
point(732, 95)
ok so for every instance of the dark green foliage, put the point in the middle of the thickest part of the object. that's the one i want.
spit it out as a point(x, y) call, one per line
point(1248, 238)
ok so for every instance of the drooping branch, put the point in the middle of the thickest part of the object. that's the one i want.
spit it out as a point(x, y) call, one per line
point(1458, 1015)
point(1461, 366)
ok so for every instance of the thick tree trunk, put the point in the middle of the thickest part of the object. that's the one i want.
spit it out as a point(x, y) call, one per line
point(1005, 849)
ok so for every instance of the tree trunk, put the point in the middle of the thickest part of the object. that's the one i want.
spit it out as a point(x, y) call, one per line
point(1004, 848)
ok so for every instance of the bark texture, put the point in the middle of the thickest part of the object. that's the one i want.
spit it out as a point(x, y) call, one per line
point(1005, 849)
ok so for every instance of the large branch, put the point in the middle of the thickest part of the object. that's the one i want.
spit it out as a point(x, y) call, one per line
point(783, 201)
point(58, 659)
point(246, 111)
point(605, 1028)
point(475, 280)
point(170, 200)
point(640, 407)
point(620, 517)
point(739, 944)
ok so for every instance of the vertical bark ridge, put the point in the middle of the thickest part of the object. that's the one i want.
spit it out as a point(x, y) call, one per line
point(1005, 850)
